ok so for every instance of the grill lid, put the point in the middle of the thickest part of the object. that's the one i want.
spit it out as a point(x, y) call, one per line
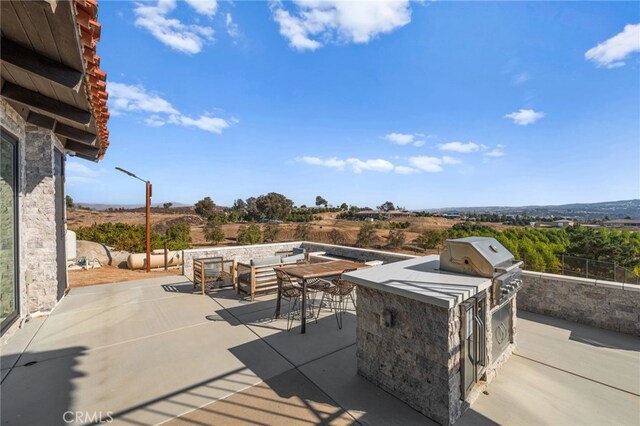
point(479, 256)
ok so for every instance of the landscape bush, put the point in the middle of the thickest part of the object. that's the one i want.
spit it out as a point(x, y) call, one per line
point(251, 234)
point(396, 238)
point(132, 238)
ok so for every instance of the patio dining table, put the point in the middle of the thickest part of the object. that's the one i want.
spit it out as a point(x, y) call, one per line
point(313, 270)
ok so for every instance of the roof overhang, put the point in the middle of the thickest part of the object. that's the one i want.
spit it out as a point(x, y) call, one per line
point(50, 71)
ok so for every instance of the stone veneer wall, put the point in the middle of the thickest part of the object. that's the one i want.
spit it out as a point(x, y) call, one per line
point(37, 243)
point(604, 304)
point(417, 359)
point(239, 253)
point(356, 253)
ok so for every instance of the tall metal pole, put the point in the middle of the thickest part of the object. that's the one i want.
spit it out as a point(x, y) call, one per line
point(148, 219)
point(148, 213)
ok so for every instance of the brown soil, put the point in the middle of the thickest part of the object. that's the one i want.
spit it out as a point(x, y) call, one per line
point(111, 274)
point(319, 231)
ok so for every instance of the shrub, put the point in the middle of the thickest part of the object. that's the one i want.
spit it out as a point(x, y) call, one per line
point(337, 237)
point(213, 233)
point(396, 238)
point(178, 236)
point(132, 238)
point(429, 240)
point(271, 232)
point(302, 231)
point(366, 235)
point(251, 234)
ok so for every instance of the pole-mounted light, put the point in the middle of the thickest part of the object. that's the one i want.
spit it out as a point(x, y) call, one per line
point(148, 213)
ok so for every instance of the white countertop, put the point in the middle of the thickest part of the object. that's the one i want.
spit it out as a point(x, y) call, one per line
point(420, 279)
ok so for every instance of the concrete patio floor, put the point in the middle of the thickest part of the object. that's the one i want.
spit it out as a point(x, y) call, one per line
point(150, 351)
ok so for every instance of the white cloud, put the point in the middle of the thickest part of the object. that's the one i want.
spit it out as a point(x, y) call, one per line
point(125, 98)
point(464, 148)
point(204, 7)
point(172, 32)
point(415, 139)
point(204, 122)
point(404, 170)
point(154, 121)
point(356, 165)
point(377, 165)
point(232, 27)
point(450, 160)
point(77, 173)
point(525, 117)
point(427, 164)
point(612, 52)
point(496, 152)
point(317, 22)
point(333, 162)
point(521, 78)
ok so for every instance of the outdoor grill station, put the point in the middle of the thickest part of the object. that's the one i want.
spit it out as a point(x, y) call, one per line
point(434, 330)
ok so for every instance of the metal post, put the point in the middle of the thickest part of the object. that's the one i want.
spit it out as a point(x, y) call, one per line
point(587, 269)
point(148, 220)
point(166, 255)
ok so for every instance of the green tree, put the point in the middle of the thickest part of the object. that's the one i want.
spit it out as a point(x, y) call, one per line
point(218, 217)
point(302, 232)
point(178, 236)
point(344, 206)
point(429, 240)
point(251, 234)
point(213, 233)
point(205, 207)
point(69, 201)
point(366, 235)
point(396, 238)
point(337, 237)
point(321, 201)
point(386, 206)
point(167, 205)
point(274, 206)
point(271, 232)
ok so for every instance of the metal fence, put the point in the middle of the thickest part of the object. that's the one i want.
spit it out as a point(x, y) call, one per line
point(595, 269)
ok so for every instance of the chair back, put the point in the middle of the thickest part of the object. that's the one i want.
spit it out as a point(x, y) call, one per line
point(288, 288)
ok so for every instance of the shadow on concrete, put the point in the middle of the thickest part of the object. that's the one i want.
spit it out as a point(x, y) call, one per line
point(41, 393)
point(587, 334)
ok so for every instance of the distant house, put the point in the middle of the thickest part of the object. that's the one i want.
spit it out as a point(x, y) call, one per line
point(563, 223)
point(451, 215)
point(53, 104)
point(381, 214)
point(622, 223)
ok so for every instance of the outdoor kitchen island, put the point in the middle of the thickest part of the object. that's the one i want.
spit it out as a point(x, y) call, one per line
point(432, 337)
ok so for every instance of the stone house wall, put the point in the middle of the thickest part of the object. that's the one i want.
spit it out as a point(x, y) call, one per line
point(604, 304)
point(37, 242)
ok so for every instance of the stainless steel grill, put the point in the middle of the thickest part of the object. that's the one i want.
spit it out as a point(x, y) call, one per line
point(484, 257)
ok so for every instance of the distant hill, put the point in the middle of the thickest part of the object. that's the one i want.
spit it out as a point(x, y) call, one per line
point(96, 206)
point(585, 211)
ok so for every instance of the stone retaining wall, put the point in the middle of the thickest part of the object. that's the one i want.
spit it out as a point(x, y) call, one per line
point(239, 253)
point(356, 253)
point(604, 304)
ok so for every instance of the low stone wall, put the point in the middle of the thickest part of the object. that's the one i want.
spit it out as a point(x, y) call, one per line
point(356, 253)
point(417, 358)
point(604, 304)
point(239, 253)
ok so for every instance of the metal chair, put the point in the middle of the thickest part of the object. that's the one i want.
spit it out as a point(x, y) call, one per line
point(292, 293)
point(339, 294)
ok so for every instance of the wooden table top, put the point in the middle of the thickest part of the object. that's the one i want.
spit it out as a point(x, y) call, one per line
point(319, 270)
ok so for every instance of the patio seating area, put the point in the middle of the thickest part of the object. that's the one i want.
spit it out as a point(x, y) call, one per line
point(224, 360)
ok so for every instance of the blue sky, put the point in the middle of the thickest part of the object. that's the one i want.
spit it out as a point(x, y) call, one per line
point(424, 104)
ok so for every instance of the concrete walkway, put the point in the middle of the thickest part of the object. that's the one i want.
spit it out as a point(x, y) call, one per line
point(148, 352)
